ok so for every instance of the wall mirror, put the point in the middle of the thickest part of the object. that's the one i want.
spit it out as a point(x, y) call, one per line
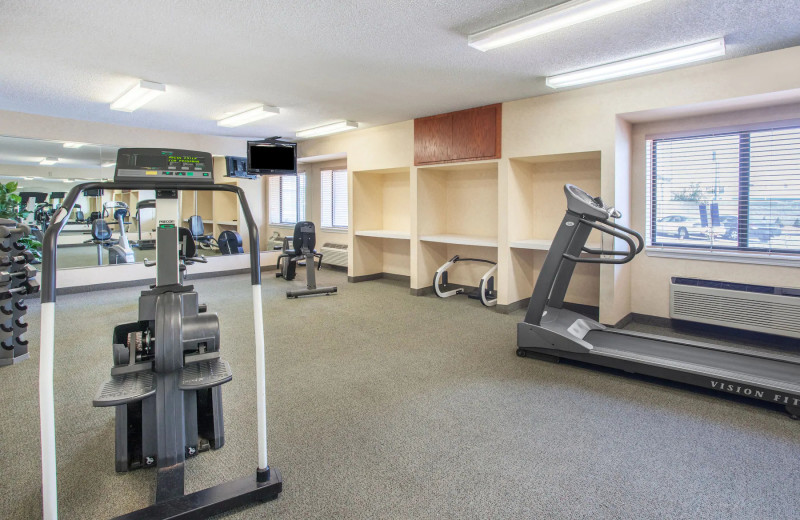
point(46, 170)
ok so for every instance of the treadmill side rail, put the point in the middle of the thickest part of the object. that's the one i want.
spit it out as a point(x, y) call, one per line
point(537, 337)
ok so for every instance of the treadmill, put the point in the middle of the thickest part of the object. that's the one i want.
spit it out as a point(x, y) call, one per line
point(144, 243)
point(551, 332)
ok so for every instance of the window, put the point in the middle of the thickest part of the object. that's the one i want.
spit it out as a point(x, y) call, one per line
point(735, 191)
point(334, 199)
point(287, 198)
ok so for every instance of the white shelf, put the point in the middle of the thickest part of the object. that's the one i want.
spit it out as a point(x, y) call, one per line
point(541, 245)
point(384, 233)
point(462, 240)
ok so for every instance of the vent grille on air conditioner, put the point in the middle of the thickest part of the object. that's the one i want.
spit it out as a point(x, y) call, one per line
point(334, 254)
point(694, 300)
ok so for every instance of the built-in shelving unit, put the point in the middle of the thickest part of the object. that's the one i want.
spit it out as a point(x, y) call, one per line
point(457, 215)
point(384, 233)
point(536, 209)
point(461, 240)
point(382, 222)
point(410, 221)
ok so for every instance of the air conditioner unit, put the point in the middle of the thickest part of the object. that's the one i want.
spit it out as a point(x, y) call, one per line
point(773, 310)
point(334, 254)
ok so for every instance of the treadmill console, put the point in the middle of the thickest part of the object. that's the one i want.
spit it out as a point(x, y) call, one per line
point(580, 202)
point(164, 165)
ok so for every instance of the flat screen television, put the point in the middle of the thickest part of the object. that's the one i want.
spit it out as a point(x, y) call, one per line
point(97, 192)
point(271, 158)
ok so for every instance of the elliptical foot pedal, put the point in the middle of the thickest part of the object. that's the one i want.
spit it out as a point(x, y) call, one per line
point(126, 388)
point(205, 374)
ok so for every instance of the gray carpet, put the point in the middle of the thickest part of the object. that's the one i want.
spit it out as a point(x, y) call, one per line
point(385, 405)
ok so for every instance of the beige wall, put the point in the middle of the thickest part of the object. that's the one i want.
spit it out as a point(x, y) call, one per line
point(596, 119)
point(651, 275)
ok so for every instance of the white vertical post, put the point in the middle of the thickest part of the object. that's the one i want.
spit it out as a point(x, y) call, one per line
point(47, 412)
point(261, 378)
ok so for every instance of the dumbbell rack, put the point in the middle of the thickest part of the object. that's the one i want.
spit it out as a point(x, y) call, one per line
point(17, 280)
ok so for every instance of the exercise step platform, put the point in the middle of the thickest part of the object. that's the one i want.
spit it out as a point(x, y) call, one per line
point(205, 374)
point(126, 388)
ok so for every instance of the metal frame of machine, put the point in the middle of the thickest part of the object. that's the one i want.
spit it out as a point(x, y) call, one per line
point(485, 291)
point(156, 362)
point(553, 332)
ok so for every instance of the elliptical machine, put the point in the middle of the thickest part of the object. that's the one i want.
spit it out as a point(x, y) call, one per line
point(165, 382)
point(121, 252)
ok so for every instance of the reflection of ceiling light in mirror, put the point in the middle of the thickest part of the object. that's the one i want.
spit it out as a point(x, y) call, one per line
point(249, 116)
point(47, 161)
point(66, 180)
point(141, 93)
point(106, 164)
point(28, 178)
point(70, 144)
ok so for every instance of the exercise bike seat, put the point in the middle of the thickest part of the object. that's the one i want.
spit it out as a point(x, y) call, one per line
point(101, 233)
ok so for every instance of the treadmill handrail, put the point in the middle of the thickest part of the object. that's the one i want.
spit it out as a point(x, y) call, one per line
point(629, 254)
point(636, 234)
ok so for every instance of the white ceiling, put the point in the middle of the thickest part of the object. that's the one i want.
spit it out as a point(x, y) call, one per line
point(370, 61)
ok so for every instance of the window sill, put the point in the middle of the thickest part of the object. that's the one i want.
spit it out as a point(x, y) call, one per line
point(287, 226)
point(777, 259)
point(333, 230)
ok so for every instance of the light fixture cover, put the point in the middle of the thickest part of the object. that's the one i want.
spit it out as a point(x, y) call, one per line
point(71, 144)
point(106, 164)
point(558, 17)
point(248, 116)
point(141, 93)
point(47, 161)
point(340, 126)
point(641, 64)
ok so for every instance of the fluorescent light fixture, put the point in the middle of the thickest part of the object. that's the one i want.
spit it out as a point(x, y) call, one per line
point(341, 126)
point(106, 164)
point(66, 180)
point(28, 178)
point(47, 161)
point(558, 17)
point(70, 144)
point(641, 64)
point(248, 116)
point(141, 93)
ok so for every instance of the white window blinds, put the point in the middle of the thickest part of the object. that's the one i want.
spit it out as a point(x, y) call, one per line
point(728, 191)
point(287, 198)
point(334, 198)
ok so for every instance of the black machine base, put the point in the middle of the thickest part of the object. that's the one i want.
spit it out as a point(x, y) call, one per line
point(311, 292)
point(214, 500)
point(719, 385)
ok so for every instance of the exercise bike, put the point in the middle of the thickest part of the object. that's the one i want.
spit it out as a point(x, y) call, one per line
point(120, 252)
point(300, 248)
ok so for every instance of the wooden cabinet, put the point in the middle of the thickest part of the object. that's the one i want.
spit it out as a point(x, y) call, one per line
point(467, 135)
